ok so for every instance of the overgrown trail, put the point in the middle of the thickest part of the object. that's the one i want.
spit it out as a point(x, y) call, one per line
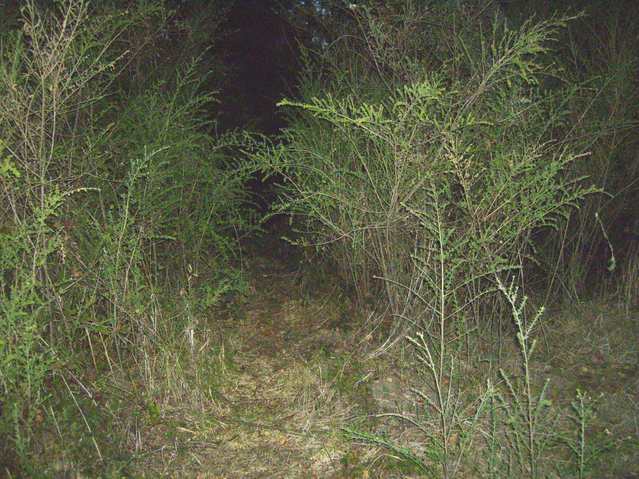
point(290, 376)
point(281, 397)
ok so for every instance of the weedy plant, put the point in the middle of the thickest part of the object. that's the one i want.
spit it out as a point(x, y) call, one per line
point(26, 357)
point(48, 69)
point(456, 148)
point(507, 428)
point(112, 208)
point(424, 167)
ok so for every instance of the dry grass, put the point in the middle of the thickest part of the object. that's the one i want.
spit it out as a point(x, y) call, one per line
point(276, 407)
point(291, 383)
point(273, 383)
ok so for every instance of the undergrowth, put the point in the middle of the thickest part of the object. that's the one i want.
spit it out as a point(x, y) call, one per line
point(440, 175)
point(113, 201)
point(425, 168)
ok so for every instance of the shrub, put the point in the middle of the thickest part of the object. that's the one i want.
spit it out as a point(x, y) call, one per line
point(49, 70)
point(418, 153)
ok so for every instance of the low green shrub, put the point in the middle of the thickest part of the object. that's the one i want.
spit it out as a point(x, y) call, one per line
point(429, 154)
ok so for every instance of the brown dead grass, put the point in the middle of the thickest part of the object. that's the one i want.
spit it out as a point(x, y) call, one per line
point(277, 413)
point(287, 373)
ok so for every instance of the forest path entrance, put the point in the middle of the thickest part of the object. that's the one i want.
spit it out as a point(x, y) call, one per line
point(291, 375)
point(288, 381)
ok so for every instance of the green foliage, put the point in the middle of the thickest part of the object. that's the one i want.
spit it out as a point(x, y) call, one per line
point(170, 205)
point(119, 217)
point(464, 148)
point(188, 190)
point(48, 71)
point(26, 357)
point(424, 166)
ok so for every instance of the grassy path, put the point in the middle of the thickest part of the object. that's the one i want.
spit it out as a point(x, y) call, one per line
point(285, 385)
point(287, 377)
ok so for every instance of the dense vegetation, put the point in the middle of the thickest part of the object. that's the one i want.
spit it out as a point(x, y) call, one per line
point(453, 167)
